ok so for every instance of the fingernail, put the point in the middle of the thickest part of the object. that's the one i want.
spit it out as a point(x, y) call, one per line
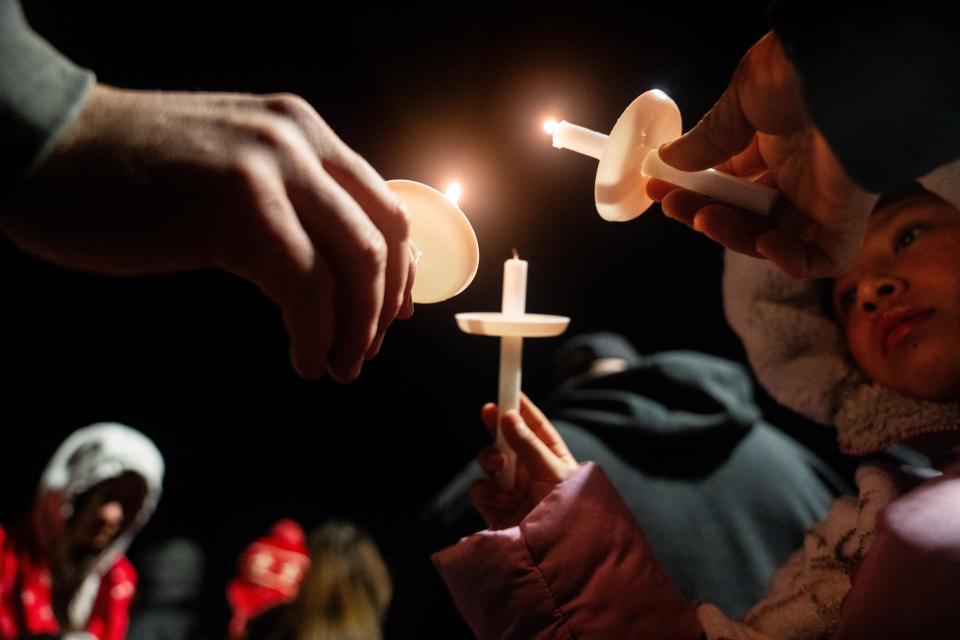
point(697, 225)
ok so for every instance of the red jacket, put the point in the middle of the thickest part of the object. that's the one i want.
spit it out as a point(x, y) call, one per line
point(99, 604)
point(25, 594)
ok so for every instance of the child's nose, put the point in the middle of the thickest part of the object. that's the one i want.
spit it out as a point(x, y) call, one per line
point(874, 291)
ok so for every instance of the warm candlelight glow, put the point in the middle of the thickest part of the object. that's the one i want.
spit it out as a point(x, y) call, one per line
point(550, 126)
point(454, 191)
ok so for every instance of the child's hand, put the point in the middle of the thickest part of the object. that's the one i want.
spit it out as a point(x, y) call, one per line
point(543, 461)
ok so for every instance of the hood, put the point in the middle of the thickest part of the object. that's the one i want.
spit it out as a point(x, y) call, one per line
point(87, 457)
point(673, 405)
point(799, 353)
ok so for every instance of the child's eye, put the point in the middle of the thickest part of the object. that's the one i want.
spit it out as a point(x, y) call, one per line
point(905, 237)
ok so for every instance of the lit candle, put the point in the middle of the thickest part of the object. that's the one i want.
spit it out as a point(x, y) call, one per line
point(511, 354)
point(576, 138)
point(642, 128)
point(453, 192)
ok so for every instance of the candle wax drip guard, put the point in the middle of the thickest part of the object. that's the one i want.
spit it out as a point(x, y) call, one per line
point(449, 253)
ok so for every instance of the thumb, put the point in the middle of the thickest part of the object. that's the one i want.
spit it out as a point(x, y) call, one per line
point(721, 134)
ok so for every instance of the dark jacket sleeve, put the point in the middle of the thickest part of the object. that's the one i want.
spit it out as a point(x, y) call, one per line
point(881, 80)
point(40, 94)
point(577, 566)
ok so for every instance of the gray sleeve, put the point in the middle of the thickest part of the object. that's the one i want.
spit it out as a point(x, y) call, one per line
point(40, 94)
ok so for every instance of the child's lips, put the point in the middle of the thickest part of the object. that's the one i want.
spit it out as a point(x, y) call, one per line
point(899, 322)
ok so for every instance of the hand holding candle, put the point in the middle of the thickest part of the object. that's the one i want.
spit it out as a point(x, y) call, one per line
point(628, 156)
point(512, 324)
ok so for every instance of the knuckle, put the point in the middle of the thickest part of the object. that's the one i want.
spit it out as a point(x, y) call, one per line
point(373, 253)
point(398, 220)
point(289, 105)
point(279, 136)
point(248, 174)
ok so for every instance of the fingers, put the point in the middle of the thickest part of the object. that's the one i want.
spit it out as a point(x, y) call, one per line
point(798, 258)
point(489, 414)
point(277, 254)
point(491, 460)
point(723, 132)
point(749, 163)
point(360, 226)
point(379, 203)
point(406, 310)
point(540, 461)
point(543, 428)
point(735, 229)
point(355, 252)
point(683, 205)
point(536, 423)
point(386, 211)
point(763, 95)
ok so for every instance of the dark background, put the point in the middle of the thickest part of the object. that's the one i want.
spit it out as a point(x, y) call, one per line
point(199, 361)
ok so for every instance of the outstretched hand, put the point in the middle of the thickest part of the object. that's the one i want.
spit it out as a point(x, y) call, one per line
point(260, 186)
point(543, 461)
point(759, 129)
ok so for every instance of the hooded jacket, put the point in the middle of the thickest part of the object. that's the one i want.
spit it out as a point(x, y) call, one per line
point(99, 606)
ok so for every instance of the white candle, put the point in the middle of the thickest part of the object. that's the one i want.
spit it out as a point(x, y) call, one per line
point(710, 182)
point(724, 187)
point(511, 355)
point(576, 138)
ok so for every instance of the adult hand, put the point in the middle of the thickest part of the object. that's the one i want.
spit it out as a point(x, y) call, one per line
point(759, 128)
point(543, 461)
point(260, 186)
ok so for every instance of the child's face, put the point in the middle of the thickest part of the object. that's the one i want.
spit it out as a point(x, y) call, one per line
point(900, 302)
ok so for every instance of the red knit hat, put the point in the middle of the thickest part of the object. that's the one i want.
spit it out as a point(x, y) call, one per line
point(269, 572)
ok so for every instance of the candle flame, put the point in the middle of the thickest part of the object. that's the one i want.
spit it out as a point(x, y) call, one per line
point(550, 126)
point(454, 191)
point(516, 256)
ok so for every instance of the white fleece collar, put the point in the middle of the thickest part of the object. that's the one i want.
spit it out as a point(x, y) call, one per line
point(799, 354)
